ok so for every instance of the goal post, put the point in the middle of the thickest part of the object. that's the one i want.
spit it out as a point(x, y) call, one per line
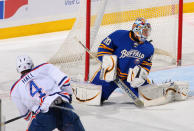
point(180, 30)
point(87, 61)
point(96, 19)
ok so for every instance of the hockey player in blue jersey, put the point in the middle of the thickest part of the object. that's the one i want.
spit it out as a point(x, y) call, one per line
point(127, 54)
point(38, 92)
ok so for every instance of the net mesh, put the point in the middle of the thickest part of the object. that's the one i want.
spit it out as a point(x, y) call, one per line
point(108, 16)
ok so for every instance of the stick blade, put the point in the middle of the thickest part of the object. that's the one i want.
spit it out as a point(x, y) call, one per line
point(139, 103)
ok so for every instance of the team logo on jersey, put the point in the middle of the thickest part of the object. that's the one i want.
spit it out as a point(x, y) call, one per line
point(132, 53)
point(9, 7)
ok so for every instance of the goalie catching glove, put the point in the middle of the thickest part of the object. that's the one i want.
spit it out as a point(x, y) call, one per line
point(108, 68)
point(137, 76)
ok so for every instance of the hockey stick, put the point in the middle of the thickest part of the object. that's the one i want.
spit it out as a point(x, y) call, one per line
point(61, 107)
point(11, 120)
point(118, 81)
point(19, 117)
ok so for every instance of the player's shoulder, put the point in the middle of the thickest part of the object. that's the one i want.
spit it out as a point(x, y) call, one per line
point(149, 45)
point(13, 86)
point(41, 65)
point(38, 68)
point(120, 32)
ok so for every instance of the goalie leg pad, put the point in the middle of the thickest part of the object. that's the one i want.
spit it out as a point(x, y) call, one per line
point(182, 90)
point(153, 95)
point(150, 92)
point(86, 93)
point(109, 67)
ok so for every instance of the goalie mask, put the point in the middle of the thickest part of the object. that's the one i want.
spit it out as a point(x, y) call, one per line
point(23, 63)
point(141, 28)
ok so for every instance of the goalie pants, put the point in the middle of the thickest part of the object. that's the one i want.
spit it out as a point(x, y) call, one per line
point(109, 87)
point(62, 119)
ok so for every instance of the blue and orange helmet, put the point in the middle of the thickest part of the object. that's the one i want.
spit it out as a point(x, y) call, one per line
point(141, 28)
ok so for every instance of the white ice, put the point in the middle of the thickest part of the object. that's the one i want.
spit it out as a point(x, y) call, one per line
point(117, 113)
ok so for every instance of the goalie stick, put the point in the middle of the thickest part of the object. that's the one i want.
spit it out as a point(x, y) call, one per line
point(118, 81)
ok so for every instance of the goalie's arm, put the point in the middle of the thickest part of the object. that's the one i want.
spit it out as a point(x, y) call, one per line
point(146, 65)
point(106, 47)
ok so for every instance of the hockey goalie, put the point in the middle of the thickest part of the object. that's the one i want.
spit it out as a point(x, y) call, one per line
point(150, 93)
point(127, 55)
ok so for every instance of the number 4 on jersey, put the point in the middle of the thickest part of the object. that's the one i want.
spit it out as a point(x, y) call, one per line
point(35, 89)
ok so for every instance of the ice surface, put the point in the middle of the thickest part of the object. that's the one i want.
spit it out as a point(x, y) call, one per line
point(117, 113)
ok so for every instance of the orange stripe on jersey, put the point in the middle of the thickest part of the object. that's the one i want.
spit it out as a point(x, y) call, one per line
point(146, 63)
point(146, 69)
point(119, 71)
point(105, 47)
point(130, 36)
point(100, 55)
point(104, 53)
point(122, 76)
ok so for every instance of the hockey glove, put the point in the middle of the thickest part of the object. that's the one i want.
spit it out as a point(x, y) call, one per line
point(137, 76)
point(108, 68)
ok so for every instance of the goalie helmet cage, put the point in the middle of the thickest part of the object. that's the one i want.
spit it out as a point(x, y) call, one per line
point(96, 19)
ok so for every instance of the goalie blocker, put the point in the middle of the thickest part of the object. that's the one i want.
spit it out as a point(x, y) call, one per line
point(108, 68)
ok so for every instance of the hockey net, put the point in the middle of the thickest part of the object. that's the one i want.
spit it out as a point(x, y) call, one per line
point(108, 16)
